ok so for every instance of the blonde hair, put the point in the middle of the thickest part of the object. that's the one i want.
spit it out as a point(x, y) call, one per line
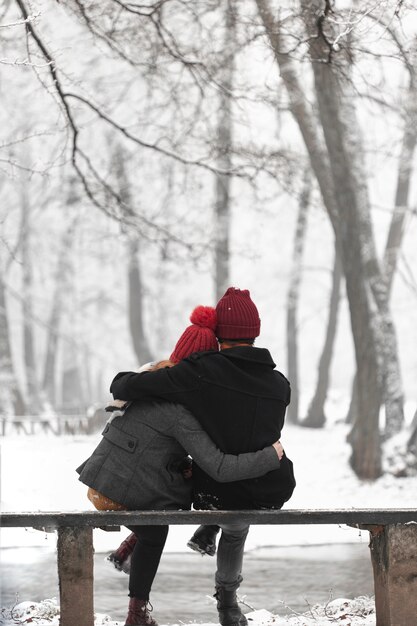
point(161, 364)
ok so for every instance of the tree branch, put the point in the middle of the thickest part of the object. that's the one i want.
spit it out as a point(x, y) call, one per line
point(144, 144)
point(54, 74)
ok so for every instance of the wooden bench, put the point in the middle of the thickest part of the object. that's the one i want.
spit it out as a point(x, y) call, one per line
point(393, 544)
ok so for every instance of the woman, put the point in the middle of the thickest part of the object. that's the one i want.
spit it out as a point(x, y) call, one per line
point(139, 464)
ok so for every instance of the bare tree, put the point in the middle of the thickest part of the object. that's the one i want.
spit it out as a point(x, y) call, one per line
point(135, 283)
point(405, 168)
point(31, 363)
point(72, 386)
point(336, 159)
point(399, 215)
point(224, 159)
point(11, 397)
point(136, 299)
point(316, 416)
point(59, 297)
point(336, 101)
point(293, 296)
point(412, 440)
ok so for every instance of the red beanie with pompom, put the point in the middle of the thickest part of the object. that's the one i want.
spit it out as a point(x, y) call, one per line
point(199, 336)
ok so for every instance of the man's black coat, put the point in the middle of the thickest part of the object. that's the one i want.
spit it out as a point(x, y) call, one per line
point(240, 400)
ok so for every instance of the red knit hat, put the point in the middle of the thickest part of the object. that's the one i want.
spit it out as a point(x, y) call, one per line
point(237, 316)
point(199, 336)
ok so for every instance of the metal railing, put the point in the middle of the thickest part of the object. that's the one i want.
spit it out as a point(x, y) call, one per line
point(55, 424)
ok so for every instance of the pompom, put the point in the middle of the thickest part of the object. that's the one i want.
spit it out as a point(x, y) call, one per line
point(204, 316)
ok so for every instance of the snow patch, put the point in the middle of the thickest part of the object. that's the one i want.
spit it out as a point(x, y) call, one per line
point(45, 613)
point(28, 612)
point(357, 612)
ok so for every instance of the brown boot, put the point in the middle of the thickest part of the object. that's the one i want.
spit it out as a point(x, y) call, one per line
point(139, 613)
point(121, 557)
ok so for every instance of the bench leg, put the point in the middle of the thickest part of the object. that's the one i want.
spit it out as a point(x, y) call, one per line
point(394, 561)
point(76, 578)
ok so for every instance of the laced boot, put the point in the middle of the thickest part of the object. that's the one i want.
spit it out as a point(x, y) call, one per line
point(122, 556)
point(204, 540)
point(139, 613)
point(228, 608)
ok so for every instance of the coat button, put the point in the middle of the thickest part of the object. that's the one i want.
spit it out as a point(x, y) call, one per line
point(131, 444)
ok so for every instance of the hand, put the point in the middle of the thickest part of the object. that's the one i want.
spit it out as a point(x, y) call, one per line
point(278, 449)
point(117, 405)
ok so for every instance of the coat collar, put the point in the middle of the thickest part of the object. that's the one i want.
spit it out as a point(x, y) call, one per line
point(248, 353)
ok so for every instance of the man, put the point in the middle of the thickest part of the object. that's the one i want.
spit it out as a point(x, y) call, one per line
point(240, 400)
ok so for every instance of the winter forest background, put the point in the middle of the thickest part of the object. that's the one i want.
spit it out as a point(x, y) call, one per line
point(153, 153)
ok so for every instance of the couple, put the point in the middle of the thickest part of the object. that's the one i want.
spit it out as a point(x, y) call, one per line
point(223, 407)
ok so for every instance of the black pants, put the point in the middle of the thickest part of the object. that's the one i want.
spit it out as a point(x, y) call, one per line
point(145, 559)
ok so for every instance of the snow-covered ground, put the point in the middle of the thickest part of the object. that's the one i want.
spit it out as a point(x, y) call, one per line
point(357, 612)
point(38, 473)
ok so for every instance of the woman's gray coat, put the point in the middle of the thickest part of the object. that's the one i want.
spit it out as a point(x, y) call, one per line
point(138, 461)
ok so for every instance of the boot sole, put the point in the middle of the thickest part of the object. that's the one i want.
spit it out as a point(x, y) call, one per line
point(210, 551)
point(240, 622)
point(121, 566)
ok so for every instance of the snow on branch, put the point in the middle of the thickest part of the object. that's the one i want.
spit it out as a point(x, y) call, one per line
point(25, 62)
point(26, 20)
point(336, 29)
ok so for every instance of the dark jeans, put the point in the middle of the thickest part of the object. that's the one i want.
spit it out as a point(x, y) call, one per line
point(145, 559)
point(230, 555)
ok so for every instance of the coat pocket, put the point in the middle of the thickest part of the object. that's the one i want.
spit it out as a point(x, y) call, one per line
point(120, 438)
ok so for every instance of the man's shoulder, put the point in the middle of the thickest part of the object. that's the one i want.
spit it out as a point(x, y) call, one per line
point(281, 376)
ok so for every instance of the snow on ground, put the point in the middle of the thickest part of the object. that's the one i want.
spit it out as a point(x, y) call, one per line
point(357, 612)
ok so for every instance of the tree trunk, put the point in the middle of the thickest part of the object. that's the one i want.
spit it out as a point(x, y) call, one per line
point(405, 168)
point(55, 317)
point(412, 440)
point(293, 297)
point(32, 384)
point(135, 284)
point(72, 396)
point(342, 136)
point(139, 340)
point(316, 417)
point(396, 229)
point(224, 159)
point(11, 401)
point(353, 405)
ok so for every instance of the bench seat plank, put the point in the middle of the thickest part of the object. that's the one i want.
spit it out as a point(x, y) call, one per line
point(353, 517)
